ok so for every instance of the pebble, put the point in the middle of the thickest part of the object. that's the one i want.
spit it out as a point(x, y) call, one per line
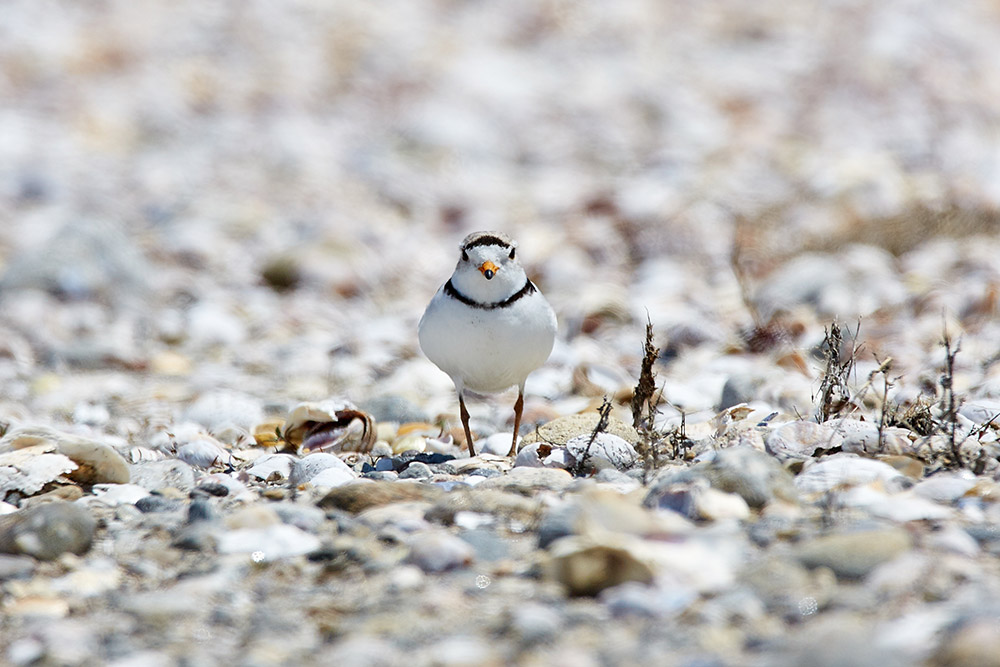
point(156, 503)
point(416, 470)
point(48, 531)
point(753, 475)
point(852, 555)
point(560, 431)
point(802, 440)
point(268, 543)
point(171, 473)
point(586, 568)
point(357, 497)
point(612, 448)
point(843, 471)
point(438, 551)
point(305, 469)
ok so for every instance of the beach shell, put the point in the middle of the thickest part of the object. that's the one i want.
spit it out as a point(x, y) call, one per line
point(330, 425)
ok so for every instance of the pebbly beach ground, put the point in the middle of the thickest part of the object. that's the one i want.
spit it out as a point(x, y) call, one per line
point(220, 224)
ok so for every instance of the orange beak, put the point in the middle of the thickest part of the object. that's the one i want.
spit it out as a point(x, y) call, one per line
point(489, 269)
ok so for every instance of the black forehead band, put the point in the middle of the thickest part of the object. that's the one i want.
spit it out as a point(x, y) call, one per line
point(486, 240)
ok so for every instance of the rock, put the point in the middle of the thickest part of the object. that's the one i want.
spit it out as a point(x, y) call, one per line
point(756, 477)
point(304, 517)
point(843, 471)
point(699, 501)
point(617, 451)
point(852, 555)
point(156, 503)
point(16, 566)
point(529, 480)
point(416, 470)
point(47, 531)
point(587, 568)
point(802, 440)
point(359, 496)
point(634, 599)
point(971, 642)
point(203, 451)
point(333, 477)
point(560, 431)
point(439, 551)
point(154, 475)
point(305, 469)
point(788, 588)
point(534, 622)
point(269, 543)
point(119, 494)
point(509, 507)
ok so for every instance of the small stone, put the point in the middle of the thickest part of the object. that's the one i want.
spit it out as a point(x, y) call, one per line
point(853, 555)
point(416, 470)
point(200, 510)
point(756, 477)
point(439, 551)
point(156, 503)
point(305, 469)
point(535, 623)
point(305, 517)
point(217, 489)
point(802, 440)
point(153, 475)
point(269, 543)
point(332, 477)
point(972, 642)
point(842, 471)
point(560, 431)
point(359, 496)
point(528, 480)
point(16, 567)
point(608, 446)
point(47, 531)
point(585, 568)
point(118, 494)
point(384, 464)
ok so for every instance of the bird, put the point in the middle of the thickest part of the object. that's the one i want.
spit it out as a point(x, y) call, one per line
point(489, 326)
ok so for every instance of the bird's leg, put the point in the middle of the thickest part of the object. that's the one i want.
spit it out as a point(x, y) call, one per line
point(465, 424)
point(518, 407)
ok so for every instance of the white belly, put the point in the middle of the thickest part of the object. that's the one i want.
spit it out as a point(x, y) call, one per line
point(488, 351)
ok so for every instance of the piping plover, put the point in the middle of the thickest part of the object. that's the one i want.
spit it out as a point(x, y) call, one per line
point(488, 327)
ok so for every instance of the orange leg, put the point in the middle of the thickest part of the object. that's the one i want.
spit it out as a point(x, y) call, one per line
point(465, 424)
point(518, 407)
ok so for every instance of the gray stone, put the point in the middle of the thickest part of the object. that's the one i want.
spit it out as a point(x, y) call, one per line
point(154, 475)
point(46, 531)
point(305, 469)
point(758, 478)
point(416, 470)
point(852, 555)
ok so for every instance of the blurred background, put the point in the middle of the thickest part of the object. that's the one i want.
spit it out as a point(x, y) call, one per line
point(263, 196)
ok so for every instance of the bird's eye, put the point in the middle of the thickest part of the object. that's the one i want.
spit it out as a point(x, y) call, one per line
point(512, 253)
point(465, 256)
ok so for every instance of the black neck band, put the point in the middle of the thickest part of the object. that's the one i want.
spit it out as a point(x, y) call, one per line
point(450, 290)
